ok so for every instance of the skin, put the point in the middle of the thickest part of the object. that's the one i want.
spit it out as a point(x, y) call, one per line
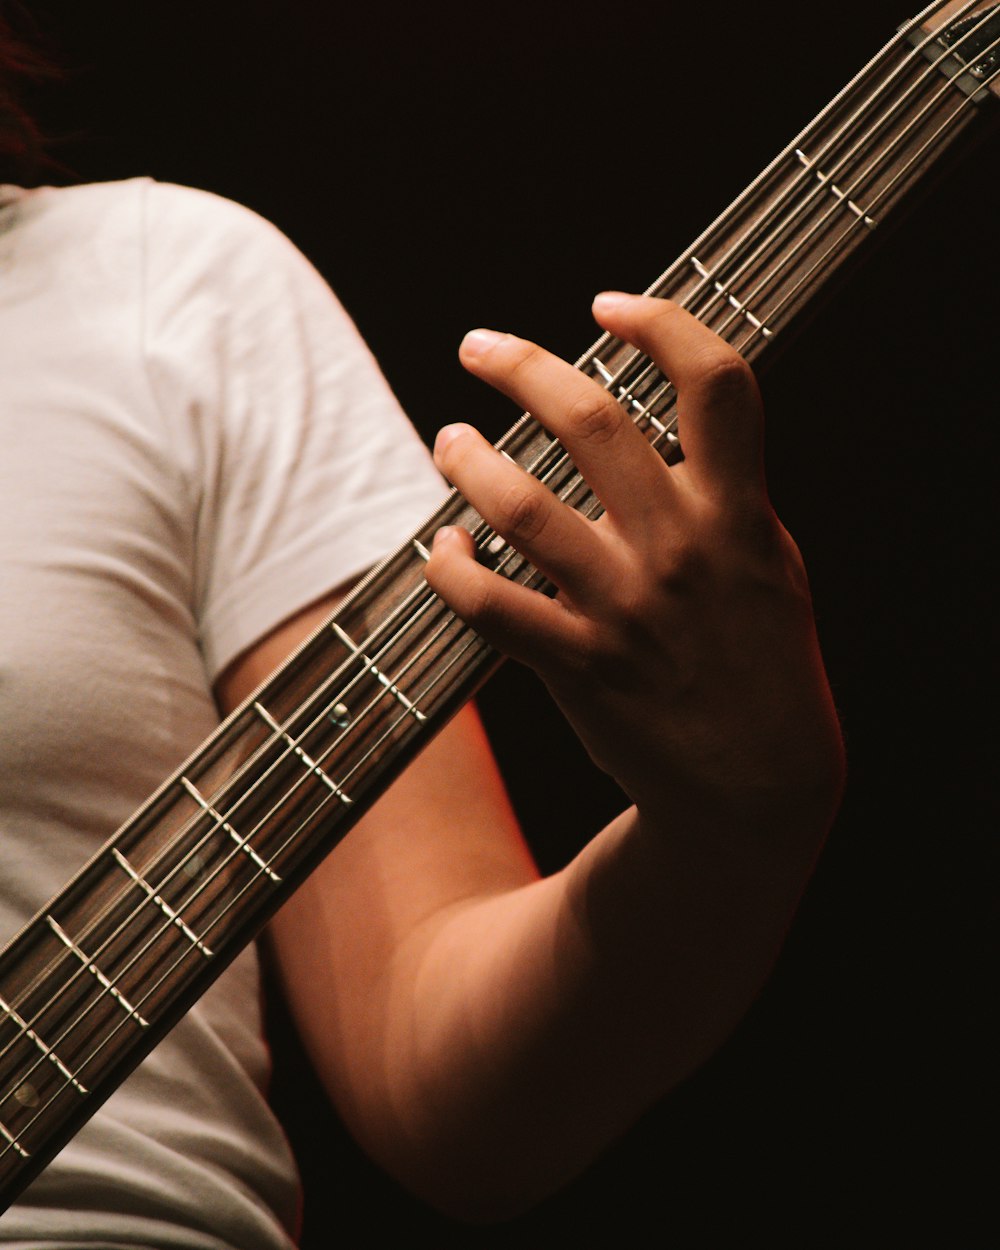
point(486, 1032)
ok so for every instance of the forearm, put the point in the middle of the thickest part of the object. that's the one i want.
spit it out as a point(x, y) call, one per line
point(532, 1027)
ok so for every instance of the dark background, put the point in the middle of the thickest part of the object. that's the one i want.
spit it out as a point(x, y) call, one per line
point(450, 165)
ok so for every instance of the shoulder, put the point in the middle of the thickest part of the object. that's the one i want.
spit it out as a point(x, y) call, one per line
point(132, 236)
point(144, 212)
point(170, 211)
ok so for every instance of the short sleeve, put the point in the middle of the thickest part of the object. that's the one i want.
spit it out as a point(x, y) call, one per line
point(303, 471)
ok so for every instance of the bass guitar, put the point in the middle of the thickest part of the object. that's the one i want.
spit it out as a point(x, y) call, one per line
point(100, 975)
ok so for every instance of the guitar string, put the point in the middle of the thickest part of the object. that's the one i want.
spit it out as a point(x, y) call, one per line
point(925, 41)
point(21, 1130)
point(233, 853)
point(914, 159)
point(819, 190)
point(721, 294)
point(630, 388)
point(932, 7)
point(803, 175)
point(807, 175)
point(649, 373)
point(908, 132)
point(187, 949)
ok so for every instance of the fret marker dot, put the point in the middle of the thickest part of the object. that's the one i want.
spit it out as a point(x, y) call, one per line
point(193, 866)
point(27, 1095)
point(340, 714)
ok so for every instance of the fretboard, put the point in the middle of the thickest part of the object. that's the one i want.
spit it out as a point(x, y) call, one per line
point(109, 966)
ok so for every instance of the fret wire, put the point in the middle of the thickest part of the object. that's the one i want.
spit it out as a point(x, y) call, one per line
point(929, 143)
point(107, 992)
point(167, 927)
point(48, 1051)
point(824, 152)
point(949, 85)
point(175, 916)
point(472, 640)
point(945, 88)
point(402, 718)
point(199, 845)
point(806, 176)
point(618, 380)
point(882, 156)
point(430, 600)
point(634, 385)
point(961, 105)
point(186, 829)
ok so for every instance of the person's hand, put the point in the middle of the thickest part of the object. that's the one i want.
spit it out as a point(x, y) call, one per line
point(681, 644)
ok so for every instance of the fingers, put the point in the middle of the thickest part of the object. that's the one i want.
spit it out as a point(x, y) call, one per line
point(617, 462)
point(720, 418)
point(522, 623)
point(558, 541)
point(646, 502)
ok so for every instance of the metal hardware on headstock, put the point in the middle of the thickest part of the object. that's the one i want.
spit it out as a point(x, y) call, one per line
point(973, 42)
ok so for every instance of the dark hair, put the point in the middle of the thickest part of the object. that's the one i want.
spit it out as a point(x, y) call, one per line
point(22, 148)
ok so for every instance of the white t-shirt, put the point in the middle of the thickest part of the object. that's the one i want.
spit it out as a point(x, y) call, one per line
point(194, 444)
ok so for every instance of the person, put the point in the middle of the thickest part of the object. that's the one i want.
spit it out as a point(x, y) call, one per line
point(200, 459)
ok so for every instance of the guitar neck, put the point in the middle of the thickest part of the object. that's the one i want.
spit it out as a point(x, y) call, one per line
point(104, 971)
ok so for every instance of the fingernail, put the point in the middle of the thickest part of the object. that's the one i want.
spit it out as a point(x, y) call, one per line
point(444, 535)
point(447, 434)
point(607, 300)
point(478, 341)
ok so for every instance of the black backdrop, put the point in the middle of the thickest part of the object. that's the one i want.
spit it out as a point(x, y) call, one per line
point(454, 165)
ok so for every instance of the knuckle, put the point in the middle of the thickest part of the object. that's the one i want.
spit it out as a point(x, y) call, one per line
point(522, 357)
point(486, 609)
point(594, 416)
point(723, 373)
point(521, 513)
point(586, 662)
point(681, 566)
point(747, 524)
point(678, 563)
point(756, 527)
point(481, 606)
